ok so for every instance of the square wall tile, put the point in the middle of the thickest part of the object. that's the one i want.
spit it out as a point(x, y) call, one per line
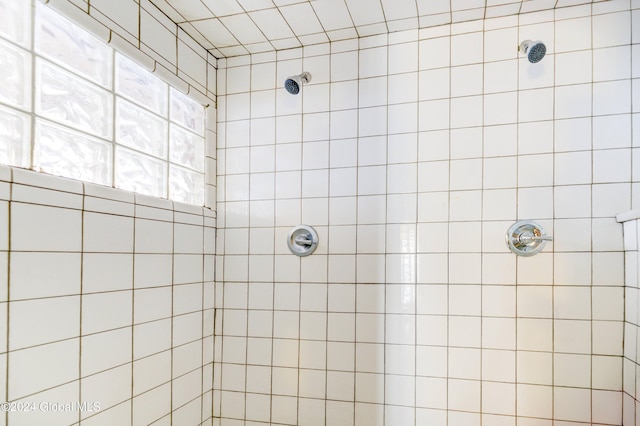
point(110, 387)
point(57, 274)
point(106, 272)
point(153, 236)
point(44, 228)
point(102, 351)
point(42, 367)
point(67, 392)
point(39, 321)
point(106, 311)
point(107, 233)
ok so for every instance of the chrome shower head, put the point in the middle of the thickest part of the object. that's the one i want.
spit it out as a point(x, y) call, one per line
point(535, 50)
point(294, 84)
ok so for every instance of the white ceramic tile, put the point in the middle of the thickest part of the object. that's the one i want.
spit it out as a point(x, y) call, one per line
point(572, 336)
point(573, 101)
point(106, 311)
point(607, 338)
point(372, 121)
point(607, 303)
point(534, 399)
point(158, 37)
point(466, 111)
point(109, 387)
point(42, 367)
point(433, 84)
point(34, 322)
point(612, 63)
point(401, 118)
point(572, 168)
point(106, 272)
point(187, 358)
point(401, 178)
point(611, 29)
point(535, 367)
point(29, 282)
point(151, 304)
point(572, 370)
point(153, 236)
point(467, 49)
point(498, 365)
point(187, 328)
point(534, 334)
point(102, 351)
point(369, 328)
point(431, 392)
point(612, 131)
point(612, 97)
point(572, 201)
point(36, 195)
point(572, 404)
point(464, 395)
point(151, 270)
point(187, 268)
point(466, 80)
point(464, 363)
point(151, 338)
point(603, 403)
point(45, 228)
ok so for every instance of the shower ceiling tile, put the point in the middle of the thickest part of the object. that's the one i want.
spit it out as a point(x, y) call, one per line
point(364, 12)
point(272, 24)
point(190, 10)
point(243, 28)
point(250, 5)
point(535, 5)
point(399, 9)
point(302, 19)
point(215, 33)
point(223, 7)
point(333, 14)
point(491, 3)
point(235, 27)
point(429, 7)
point(467, 4)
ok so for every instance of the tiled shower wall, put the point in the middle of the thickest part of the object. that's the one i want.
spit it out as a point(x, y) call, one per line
point(107, 298)
point(411, 154)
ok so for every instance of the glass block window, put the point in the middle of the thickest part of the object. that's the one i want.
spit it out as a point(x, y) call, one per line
point(74, 107)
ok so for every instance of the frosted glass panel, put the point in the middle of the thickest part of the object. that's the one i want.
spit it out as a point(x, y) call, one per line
point(15, 76)
point(66, 98)
point(15, 137)
point(66, 43)
point(15, 24)
point(63, 152)
point(186, 186)
point(139, 129)
point(139, 85)
point(140, 173)
point(187, 112)
point(187, 149)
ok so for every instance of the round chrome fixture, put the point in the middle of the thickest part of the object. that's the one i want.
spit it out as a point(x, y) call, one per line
point(302, 240)
point(526, 238)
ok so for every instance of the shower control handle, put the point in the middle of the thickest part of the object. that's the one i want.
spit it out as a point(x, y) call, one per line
point(529, 237)
point(304, 241)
